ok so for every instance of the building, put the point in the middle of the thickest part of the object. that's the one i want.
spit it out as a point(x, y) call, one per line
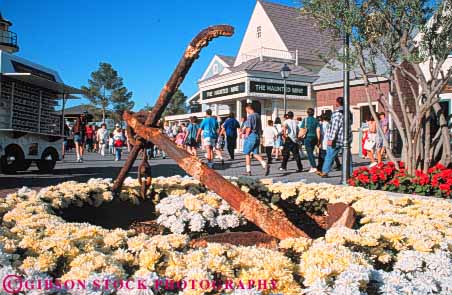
point(276, 35)
point(446, 94)
point(330, 85)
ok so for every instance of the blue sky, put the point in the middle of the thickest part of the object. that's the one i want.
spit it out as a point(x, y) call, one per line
point(142, 39)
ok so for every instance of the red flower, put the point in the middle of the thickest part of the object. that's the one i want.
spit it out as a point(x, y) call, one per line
point(440, 166)
point(363, 178)
point(444, 187)
point(401, 165)
point(374, 178)
point(396, 182)
point(388, 170)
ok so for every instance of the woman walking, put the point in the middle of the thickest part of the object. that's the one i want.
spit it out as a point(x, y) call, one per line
point(311, 137)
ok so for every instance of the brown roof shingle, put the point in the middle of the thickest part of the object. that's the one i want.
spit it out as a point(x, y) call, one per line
point(299, 31)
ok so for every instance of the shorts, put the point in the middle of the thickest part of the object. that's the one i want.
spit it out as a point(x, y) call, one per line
point(78, 139)
point(210, 141)
point(191, 142)
point(251, 144)
point(380, 141)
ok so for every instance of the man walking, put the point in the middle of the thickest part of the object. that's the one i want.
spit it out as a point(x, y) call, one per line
point(209, 128)
point(230, 127)
point(335, 137)
point(253, 131)
point(290, 134)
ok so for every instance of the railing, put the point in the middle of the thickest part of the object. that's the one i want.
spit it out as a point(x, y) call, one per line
point(272, 53)
point(8, 38)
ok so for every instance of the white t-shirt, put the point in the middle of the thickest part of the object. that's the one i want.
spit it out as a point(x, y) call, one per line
point(292, 129)
point(270, 134)
point(324, 126)
point(102, 136)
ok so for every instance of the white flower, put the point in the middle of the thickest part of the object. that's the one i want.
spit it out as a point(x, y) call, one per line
point(319, 287)
point(228, 221)
point(197, 222)
point(409, 261)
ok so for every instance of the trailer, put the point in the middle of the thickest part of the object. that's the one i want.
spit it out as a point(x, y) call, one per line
point(31, 129)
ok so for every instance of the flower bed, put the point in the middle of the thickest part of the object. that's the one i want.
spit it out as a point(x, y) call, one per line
point(399, 246)
point(436, 182)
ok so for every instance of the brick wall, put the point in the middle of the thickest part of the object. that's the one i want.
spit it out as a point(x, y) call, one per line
point(357, 95)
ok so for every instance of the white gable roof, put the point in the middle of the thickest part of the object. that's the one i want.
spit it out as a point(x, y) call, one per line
point(269, 36)
point(217, 59)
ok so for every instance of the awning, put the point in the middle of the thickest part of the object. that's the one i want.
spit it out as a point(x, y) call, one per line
point(58, 88)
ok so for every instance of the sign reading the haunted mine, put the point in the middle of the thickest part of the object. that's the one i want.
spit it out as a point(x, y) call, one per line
point(276, 88)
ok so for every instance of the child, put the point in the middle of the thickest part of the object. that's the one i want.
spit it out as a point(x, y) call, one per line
point(323, 142)
point(180, 138)
point(119, 141)
point(270, 135)
point(219, 147)
point(111, 148)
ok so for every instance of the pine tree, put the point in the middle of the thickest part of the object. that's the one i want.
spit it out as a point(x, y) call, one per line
point(105, 88)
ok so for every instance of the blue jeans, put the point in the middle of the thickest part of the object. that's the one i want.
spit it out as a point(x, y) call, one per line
point(309, 143)
point(331, 154)
point(118, 153)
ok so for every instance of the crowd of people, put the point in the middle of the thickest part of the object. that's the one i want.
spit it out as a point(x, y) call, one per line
point(90, 138)
point(321, 137)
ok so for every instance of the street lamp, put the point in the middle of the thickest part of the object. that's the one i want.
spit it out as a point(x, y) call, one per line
point(346, 155)
point(285, 72)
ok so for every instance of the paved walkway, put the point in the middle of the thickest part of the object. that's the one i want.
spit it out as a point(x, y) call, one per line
point(96, 166)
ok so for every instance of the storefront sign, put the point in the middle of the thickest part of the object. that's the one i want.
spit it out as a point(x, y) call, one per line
point(277, 88)
point(224, 91)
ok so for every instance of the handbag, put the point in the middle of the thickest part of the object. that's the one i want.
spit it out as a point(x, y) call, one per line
point(303, 131)
point(118, 143)
point(369, 144)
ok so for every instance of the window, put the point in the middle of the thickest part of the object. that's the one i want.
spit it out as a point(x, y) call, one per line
point(215, 69)
point(365, 113)
point(259, 31)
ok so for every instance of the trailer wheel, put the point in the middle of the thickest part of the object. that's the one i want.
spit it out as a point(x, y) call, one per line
point(48, 160)
point(13, 160)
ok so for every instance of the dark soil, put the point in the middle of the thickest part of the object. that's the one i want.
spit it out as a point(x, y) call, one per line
point(115, 214)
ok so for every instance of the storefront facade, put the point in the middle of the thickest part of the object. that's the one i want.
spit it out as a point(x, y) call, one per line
point(265, 90)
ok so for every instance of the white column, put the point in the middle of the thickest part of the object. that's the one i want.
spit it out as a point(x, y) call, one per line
point(274, 109)
point(238, 112)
